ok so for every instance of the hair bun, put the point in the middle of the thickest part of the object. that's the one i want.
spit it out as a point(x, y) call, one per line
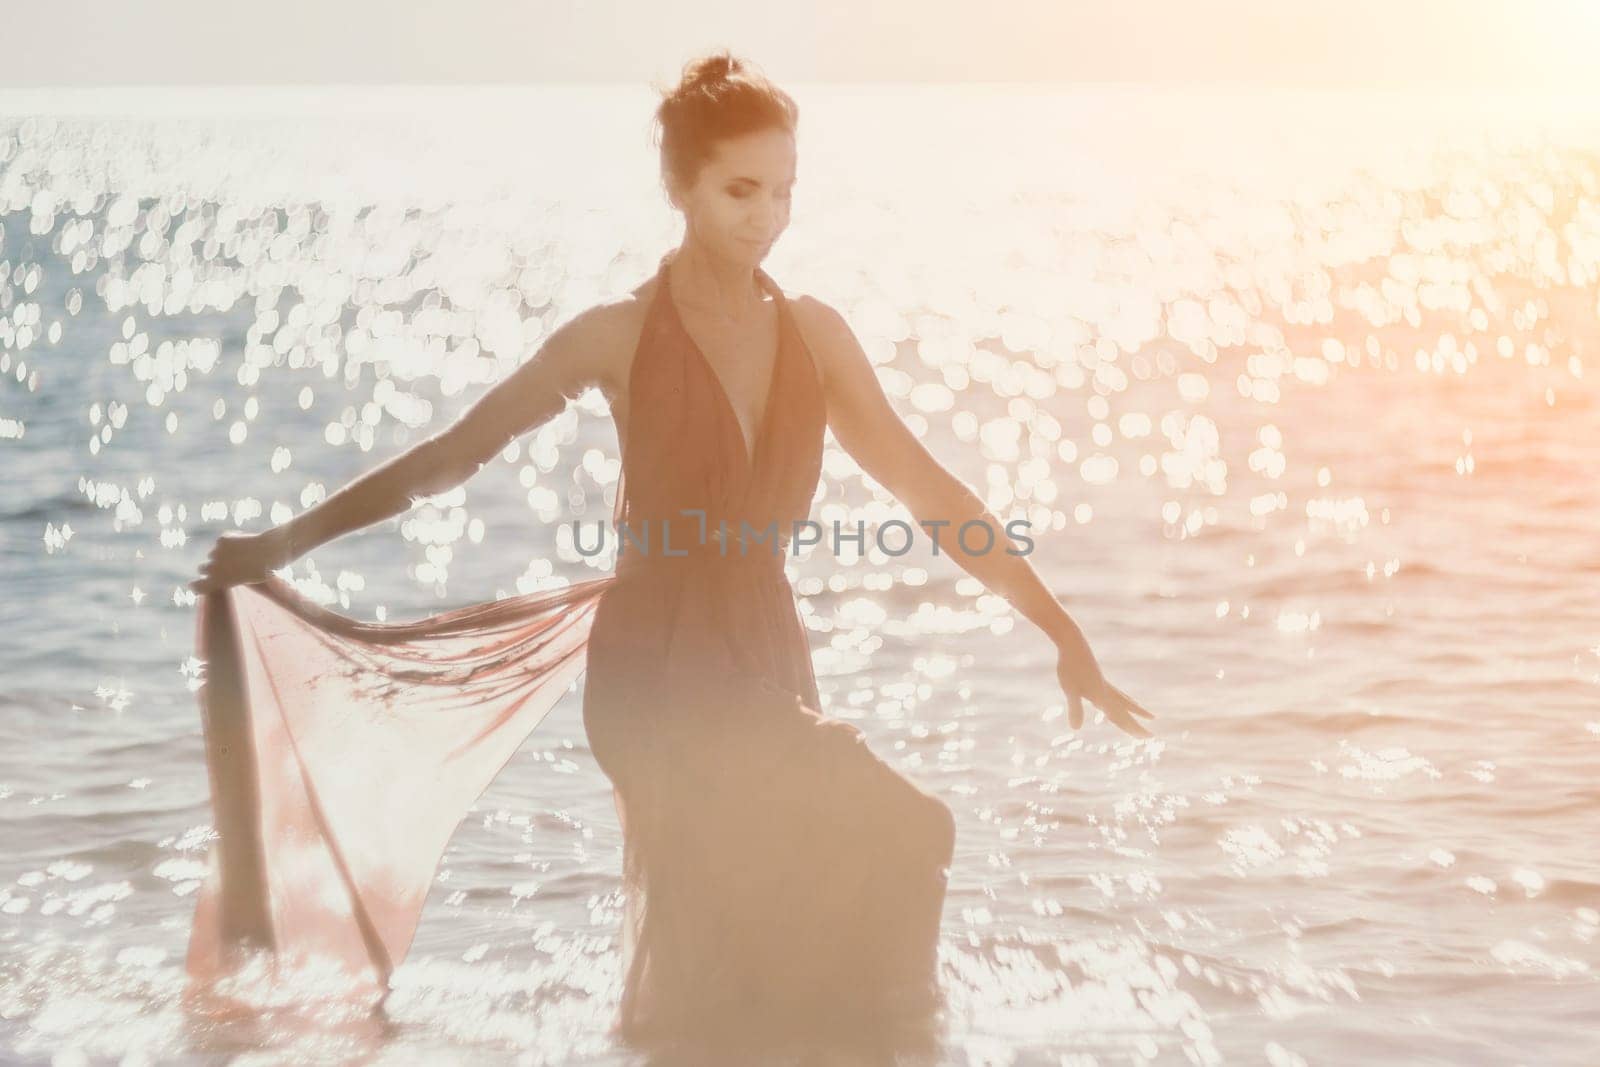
point(718, 96)
point(710, 69)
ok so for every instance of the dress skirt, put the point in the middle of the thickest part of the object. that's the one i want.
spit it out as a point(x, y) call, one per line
point(778, 876)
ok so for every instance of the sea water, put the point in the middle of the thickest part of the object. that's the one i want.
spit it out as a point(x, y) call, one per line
point(1297, 390)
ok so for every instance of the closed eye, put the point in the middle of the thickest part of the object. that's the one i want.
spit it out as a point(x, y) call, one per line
point(740, 192)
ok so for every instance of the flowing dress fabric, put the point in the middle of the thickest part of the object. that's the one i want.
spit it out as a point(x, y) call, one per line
point(776, 872)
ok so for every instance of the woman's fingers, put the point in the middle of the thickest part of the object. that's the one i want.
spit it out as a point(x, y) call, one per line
point(1135, 707)
point(1120, 710)
point(213, 570)
point(1130, 725)
point(211, 575)
point(1125, 722)
point(1122, 700)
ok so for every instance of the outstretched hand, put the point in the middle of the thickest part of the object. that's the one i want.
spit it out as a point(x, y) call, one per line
point(243, 559)
point(1081, 679)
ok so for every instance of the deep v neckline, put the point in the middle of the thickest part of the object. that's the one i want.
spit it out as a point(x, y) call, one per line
point(750, 448)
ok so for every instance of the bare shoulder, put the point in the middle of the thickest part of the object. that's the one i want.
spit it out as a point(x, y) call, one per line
point(603, 339)
point(859, 412)
point(826, 333)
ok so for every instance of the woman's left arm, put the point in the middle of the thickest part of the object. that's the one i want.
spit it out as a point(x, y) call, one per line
point(867, 426)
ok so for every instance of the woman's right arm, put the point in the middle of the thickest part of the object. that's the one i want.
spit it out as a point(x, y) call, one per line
point(573, 358)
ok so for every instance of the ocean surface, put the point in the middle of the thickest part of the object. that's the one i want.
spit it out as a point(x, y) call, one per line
point(1300, 392)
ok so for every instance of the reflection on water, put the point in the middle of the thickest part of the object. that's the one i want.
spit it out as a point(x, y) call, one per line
point(1296, 390)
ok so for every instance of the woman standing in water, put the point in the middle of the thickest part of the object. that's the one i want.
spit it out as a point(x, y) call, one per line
point(778, 875)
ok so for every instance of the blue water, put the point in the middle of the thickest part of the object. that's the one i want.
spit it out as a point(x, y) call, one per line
point(1299, 391)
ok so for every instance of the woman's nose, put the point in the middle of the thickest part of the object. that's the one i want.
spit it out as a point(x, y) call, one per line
point(769, 217)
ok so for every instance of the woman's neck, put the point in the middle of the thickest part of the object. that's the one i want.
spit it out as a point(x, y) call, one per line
point(724, 290)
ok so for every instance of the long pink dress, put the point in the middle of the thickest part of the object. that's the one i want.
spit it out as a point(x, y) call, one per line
point(777, 874)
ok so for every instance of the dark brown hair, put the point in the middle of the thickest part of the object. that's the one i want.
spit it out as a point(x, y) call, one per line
point(719, 96)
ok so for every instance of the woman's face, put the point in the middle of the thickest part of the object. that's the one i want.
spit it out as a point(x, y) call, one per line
point(739, 202)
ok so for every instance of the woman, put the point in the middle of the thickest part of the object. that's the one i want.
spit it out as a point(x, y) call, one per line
point(777, 872)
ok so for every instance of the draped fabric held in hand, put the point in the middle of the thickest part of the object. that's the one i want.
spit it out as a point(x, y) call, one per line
point(775, 871)
point(344, 754)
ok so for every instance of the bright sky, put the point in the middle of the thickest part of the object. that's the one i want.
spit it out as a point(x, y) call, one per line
point(1483, 44)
